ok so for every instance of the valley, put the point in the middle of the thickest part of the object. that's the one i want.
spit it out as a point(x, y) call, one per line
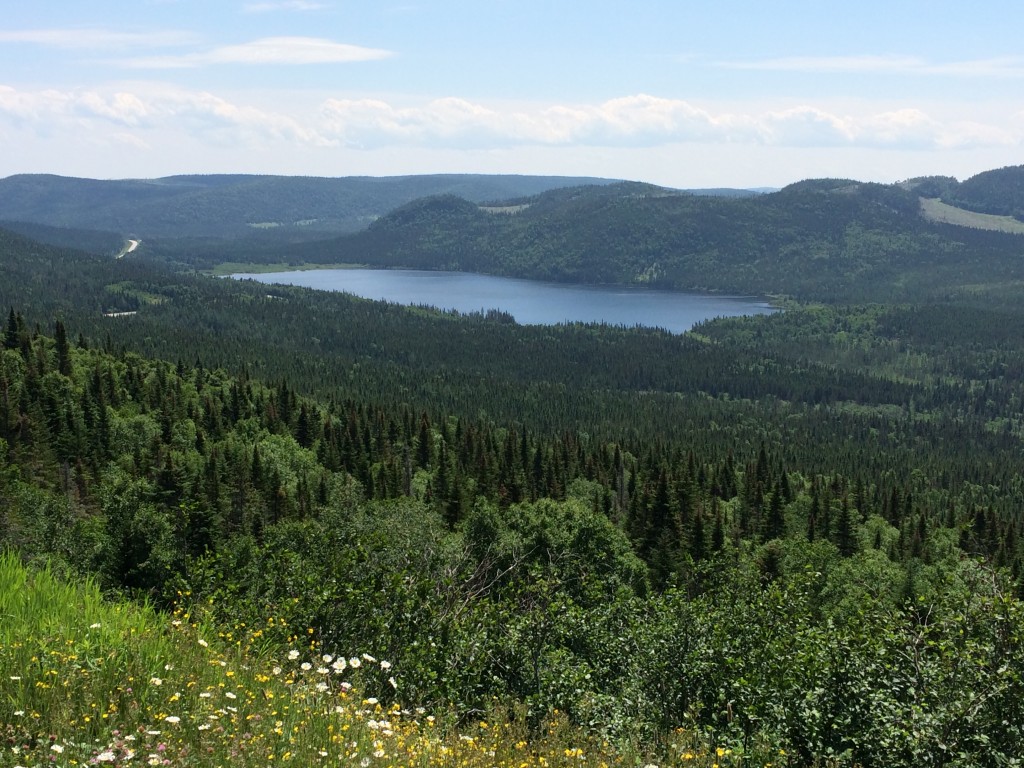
point(791, 538)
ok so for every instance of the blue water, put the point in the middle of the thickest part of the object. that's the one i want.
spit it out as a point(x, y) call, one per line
point(530, 302)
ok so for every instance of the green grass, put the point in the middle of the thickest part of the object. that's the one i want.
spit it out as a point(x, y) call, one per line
point(88, 682)
point(935, 210)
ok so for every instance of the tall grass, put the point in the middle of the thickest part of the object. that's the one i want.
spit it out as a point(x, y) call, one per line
point(87, 682)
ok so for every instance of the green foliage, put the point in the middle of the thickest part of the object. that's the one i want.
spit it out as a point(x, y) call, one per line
point(281, 209)
point(798, 532)
point(999, 192)
point(821, 239)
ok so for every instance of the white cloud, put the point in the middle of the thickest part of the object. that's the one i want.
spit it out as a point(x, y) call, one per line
point(95, 38)
point(855, 64)
point(177, 125)
point(1006, 67)
point(451, 121)
point(804, 126)
point(223, 120)
point(44, 110)
point(269, 50)
point(644, 121)
point(160, 110)
point(125, 108)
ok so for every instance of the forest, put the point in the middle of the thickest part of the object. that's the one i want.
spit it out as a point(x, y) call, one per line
point(790, 539)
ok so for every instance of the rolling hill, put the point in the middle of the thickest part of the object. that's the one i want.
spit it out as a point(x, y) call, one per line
point(831, 239)
point(225, 206)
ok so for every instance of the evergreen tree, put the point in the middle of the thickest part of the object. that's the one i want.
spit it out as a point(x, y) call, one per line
point(63, 350)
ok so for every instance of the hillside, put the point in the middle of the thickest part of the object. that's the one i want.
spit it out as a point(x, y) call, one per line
point(233, 206)
point(998, 192)
point(91, 240)
point(824, 239)
point(936, 210)
point(724, 544)
point(791, 553)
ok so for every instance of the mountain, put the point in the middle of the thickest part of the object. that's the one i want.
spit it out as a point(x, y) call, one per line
point(233, 206)
point(817, 239)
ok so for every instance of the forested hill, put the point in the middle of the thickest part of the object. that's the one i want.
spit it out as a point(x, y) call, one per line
point(232, 206)
point(999, 192)
point(90, 240)
point(823, 239)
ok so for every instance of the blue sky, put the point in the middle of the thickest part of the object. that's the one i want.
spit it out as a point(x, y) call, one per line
point(686, 94)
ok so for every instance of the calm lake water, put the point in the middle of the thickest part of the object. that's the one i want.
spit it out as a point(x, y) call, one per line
point(530, 302)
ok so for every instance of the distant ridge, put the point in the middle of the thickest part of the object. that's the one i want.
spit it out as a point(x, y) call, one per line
point(234, 205)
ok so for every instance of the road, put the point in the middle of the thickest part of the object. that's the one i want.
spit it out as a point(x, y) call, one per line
point(132, 245)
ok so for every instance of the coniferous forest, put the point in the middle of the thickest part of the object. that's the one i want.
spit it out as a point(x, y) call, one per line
point(792, 539)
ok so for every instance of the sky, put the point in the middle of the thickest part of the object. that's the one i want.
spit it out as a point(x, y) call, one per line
point(717, 93)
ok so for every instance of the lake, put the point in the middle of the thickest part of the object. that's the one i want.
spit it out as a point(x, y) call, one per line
point(530, 302)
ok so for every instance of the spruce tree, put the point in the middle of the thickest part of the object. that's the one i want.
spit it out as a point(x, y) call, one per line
point(60, 335)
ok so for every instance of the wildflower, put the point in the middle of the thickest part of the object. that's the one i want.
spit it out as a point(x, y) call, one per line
point(97, 625)
point(339, 665)
point(385, 665)
point(56, 748)
point(106, 756)
point(355, 663)
point(155, 681)
point(293, 655)
point(322, 670)
point(305, 666)
point(203, 643)
point(276, 671)
point(369, 658)
point(394, 683)
point(327, 658)
point(172, 719)
point(321, 687)
point(230, 695)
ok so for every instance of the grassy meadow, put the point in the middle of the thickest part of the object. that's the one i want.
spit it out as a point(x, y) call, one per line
point(86, 682)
